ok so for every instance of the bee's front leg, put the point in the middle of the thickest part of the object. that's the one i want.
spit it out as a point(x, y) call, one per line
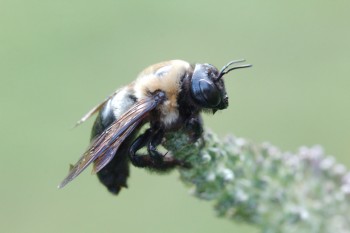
point(194, 127)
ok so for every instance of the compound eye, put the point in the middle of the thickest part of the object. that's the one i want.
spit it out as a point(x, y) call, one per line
point(210, 93)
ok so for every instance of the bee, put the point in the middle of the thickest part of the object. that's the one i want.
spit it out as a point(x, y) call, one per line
point(168, 96)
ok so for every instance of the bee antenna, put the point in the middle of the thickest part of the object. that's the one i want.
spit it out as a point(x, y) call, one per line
point(225, 69)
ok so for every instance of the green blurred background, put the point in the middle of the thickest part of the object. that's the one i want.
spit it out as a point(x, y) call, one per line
point(59, 58)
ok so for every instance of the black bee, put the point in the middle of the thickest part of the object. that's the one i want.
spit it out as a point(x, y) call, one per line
point(169, 96)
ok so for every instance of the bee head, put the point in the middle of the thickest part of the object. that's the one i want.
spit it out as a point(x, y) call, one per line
point(208, 87)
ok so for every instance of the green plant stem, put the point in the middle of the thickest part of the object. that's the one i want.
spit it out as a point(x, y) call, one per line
point(260, 185)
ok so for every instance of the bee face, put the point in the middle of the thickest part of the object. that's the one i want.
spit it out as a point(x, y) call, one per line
point(207, 89)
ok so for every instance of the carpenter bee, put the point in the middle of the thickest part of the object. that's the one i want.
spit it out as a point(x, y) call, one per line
point(168, 96)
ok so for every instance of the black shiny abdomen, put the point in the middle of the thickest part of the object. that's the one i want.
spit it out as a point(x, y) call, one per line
point(115, 174)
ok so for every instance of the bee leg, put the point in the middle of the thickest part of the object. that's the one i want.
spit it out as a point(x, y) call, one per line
point(154, 159)
point(141, 141)
point(194, 127)
point(160, 161)
point(156, 139)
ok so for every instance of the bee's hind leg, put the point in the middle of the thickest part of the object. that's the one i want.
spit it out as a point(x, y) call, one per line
point(141, 141)
point(154, 159)
point(155, 141)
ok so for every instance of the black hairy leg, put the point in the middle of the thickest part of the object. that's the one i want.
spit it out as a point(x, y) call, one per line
point(156, 139)
point(194, 127)
point(154, 159)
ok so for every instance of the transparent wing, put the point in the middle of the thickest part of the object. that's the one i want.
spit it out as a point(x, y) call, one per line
point(104, 159)
point(94, 110)
point(103, 148)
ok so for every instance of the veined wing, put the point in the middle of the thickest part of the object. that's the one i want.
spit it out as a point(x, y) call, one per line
point(94, 110)
point(103, 148)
